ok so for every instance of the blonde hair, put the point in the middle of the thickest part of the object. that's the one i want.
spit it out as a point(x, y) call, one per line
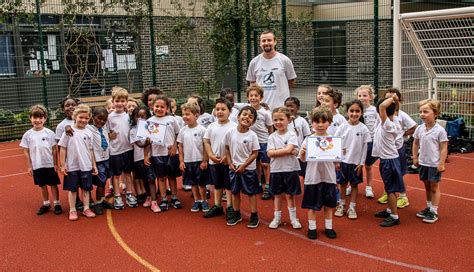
point(283, 110)
point(255, 87)
point(38, 111)
point(434, 105)
point(108, 102)
point(321, 113)
point(193, 107)
point(81, 108)
point(119, 92)
point(369, 88)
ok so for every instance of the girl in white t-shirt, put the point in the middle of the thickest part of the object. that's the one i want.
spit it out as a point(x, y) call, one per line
point(322, 91)
point(282, 148)
point(39, 148)
point(355, 136)
point(77, 161)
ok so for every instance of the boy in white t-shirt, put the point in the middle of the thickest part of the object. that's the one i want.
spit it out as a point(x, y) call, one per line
point(332, 100)
point(263, 127)
point(431, 140)
point(242, 147)
point(385, 149)
point(39, 148)
point(77, 161)
point(215, 147)
point(121, 151)
point(192, 158)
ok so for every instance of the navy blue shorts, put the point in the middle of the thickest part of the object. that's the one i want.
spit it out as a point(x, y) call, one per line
point(219, 174)
point(166, 166)
point(143, 172)
point(78, 179)
point(319, 195)
point(121, 163)
point(262, 154)
point(403, 160)
point(349, 174)
point(369, 160)
point(102, 174)
point(391, 174)
point(245, 182)
point(285, 182)
point(45, 176)
point(194, 175)
point(303, 168)
point(429, 174)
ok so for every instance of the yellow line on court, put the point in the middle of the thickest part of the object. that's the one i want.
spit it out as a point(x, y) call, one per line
point(124, 245)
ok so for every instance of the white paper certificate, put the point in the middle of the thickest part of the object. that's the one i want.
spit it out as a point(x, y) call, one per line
point(155, 131)
point(323, 148)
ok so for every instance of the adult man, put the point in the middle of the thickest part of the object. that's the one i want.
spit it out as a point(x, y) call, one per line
point(273, 71)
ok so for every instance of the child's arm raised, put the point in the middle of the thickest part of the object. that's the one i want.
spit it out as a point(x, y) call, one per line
point(250, 159)
point(443, 153)
point(383, 107)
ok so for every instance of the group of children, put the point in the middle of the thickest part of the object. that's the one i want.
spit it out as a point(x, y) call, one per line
point(232, 149)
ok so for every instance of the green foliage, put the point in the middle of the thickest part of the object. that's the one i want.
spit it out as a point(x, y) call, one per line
point(7, 117)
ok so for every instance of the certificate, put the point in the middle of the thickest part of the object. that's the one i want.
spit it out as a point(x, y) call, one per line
point(155, 131)
point(324, 148)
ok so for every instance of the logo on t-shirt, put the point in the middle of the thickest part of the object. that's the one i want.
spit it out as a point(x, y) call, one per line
point(269, 78)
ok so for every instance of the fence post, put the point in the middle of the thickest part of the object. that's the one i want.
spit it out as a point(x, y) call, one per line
point(238, 48)
point(248, 32)
point(376, 47)
point(41, 46)
point(152, 42)
point(283, 26)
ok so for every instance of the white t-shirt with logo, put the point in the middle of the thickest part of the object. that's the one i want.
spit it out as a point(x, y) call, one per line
point(215, 133)
point(318, 171)
point(99, 153)
point(370, 120)
point(354, 142)
point(301, 128)
point(429, 144)
point(205, 119)
point(337, 120)
point(120, 124)
point(260, 127)
point(40, 145)
point(288, 163)
point(384, 140)
point(193, 142)
point(172, 130)
point(79, 150)
point(241, 146)
point(61, 127)
point(272, 75)
point(405, 122)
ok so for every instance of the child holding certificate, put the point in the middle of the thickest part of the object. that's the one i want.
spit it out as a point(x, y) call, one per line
point(320, 179)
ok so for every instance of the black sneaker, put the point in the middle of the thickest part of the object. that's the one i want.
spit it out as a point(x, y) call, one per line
point(266, 195)
point(234, 219)
point(141, 198)
point(168, 191)
point(164, 205)
point(423, 213)
point(98, 209)
point(43, 209)
point(330, 233)
point(253, 222)
point(390, 222)
point(229, 213)
point(412, 170)
point(176, 203)
point(312, 234)
point(208, 194)
point(58, 209)
point(213, 212)
point(430, 217)
point(106, 205)
point(382, 214)
point(79, 206)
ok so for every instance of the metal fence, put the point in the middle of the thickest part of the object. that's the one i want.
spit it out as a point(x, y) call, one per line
point(342, 43)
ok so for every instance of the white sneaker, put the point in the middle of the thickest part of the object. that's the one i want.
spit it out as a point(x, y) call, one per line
point(348, 190)
point(296, 224)
point(274, 224)
point(368, 192)
point(339, 210)
point(351, 213)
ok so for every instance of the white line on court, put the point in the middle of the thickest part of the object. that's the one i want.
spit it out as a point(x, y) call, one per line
point(459, 157)
point(348, 250)
point(12, 175)
point(12, 156)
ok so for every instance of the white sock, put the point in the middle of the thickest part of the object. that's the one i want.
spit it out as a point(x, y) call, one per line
point(352, 205)
point(429, 204)
point(46, 203)
point(312, 224)
point(389, 211)
point(72, 209)
point(328, 223)
point(57, 202)
point(394, 216)
point(292, 212)
point(342, 202)
point(403, 194)
point(434, 209)
point(277, 215)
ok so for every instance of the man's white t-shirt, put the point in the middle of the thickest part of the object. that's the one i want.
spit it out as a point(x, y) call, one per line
point(241, 146)
point(215, 133)
point(40, 145)
point(193, 142)
point(272, 75)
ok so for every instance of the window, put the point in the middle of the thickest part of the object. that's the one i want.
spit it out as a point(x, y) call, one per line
point(7, 56)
